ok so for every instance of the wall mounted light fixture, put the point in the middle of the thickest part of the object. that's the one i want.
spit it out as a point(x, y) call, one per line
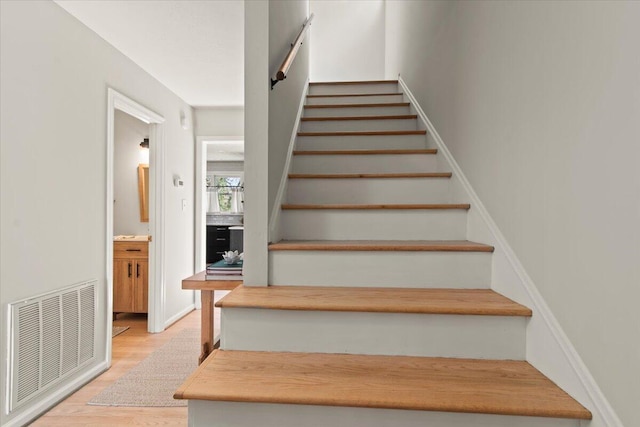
point(145, 143)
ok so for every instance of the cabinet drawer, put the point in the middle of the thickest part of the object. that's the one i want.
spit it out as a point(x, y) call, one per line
point(219, 240)
point(130, 250)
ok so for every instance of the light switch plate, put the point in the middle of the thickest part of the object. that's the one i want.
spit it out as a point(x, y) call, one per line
point(184, 204)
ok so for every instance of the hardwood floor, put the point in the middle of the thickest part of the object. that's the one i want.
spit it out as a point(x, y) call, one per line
point(129, 348)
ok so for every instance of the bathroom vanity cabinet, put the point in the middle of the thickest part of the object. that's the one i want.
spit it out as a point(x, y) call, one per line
point(130, 276)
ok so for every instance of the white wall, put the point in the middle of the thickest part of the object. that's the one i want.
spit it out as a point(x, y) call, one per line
point(539, 103)
point(270, 27)
point(256, 142)
point(54, 77)
point(348, 40)
point(219, 121)
point(128, 134)
point(285, 21)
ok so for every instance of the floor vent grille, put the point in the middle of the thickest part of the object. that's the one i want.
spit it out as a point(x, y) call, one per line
point(51, 336)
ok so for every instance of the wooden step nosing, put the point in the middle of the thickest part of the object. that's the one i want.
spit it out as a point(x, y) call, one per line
point(356, 82)
point(182, 391)
point(346, 95)
point(366, 133)
point(428, 151)
point(480, 386)
point(378, 246)
point(359, 118)
point(394, 309)
point(311, 298)
point(370, 175)
point(435, 206)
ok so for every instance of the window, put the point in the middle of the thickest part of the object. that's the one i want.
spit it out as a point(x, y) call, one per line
point(228, 187)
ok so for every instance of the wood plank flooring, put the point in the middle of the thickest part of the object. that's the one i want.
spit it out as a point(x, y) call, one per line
point(394, 382)
point(129, 348)
point(375, 300)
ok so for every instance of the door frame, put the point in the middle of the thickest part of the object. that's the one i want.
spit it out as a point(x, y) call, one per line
point(118, 101)
point(200, 240)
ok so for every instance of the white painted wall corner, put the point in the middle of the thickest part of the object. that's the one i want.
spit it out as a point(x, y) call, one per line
point(548, 347)
point(274, 223)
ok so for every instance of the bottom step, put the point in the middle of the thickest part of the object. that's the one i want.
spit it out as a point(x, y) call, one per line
point(383, 382)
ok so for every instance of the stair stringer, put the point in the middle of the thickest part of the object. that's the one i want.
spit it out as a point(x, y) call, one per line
point(548, 348)
point(274, 221)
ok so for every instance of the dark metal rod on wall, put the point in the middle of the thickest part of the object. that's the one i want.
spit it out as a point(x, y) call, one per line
point(281, 74)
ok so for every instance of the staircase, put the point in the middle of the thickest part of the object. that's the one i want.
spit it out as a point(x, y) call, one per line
point(380, 312)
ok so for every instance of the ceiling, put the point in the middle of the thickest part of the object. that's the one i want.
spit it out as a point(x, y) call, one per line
point(193, 47)
point(225, 150)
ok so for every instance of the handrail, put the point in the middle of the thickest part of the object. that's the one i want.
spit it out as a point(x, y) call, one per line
point(281, 74)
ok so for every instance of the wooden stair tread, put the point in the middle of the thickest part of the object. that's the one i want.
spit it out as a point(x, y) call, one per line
point(359, 118)
point(342, 95)
point(484, 302)
point(382, 104)
point(381, 245)
point(366, 133)
point(369, 175)
point(504, 387)
point(364, 152)
point(356, 82)
point(431, 206)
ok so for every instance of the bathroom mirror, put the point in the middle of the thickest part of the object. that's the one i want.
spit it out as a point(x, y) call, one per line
point(143, 191)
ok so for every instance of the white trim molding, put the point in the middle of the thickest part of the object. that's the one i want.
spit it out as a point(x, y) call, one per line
point(548, 347)
point(31, 412)
point(200, 240)
point(118, 101)
point(157, 290)
point(274, 223)
point(173, 319)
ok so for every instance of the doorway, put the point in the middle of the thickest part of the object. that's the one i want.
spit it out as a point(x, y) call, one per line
point(210, 148)
point(130, 222)
point(118, 104)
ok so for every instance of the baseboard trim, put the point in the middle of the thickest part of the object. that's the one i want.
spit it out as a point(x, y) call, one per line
point(601, 408)
point(173, 319)
point(29, 413)
point(274, 223)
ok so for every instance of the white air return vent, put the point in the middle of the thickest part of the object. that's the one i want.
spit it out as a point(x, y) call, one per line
point(50, 337)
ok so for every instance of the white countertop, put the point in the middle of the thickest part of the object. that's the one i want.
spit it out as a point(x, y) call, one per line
point(123, 238)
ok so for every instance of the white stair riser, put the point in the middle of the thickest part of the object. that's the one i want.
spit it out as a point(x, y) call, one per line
point(361, 142)
point(450, 224)
point(376, 99)
point(366, 163)
point(204, 413)
point(358, 125)
point(392, 334)
point(368, 190)
point(355, 88)
point(356, 112)
point(462, 270)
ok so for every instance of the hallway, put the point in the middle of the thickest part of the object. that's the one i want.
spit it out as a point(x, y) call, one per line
point(129, 348)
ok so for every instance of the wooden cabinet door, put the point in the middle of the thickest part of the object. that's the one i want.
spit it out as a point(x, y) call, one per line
point(141, 297)
point(123, 285)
